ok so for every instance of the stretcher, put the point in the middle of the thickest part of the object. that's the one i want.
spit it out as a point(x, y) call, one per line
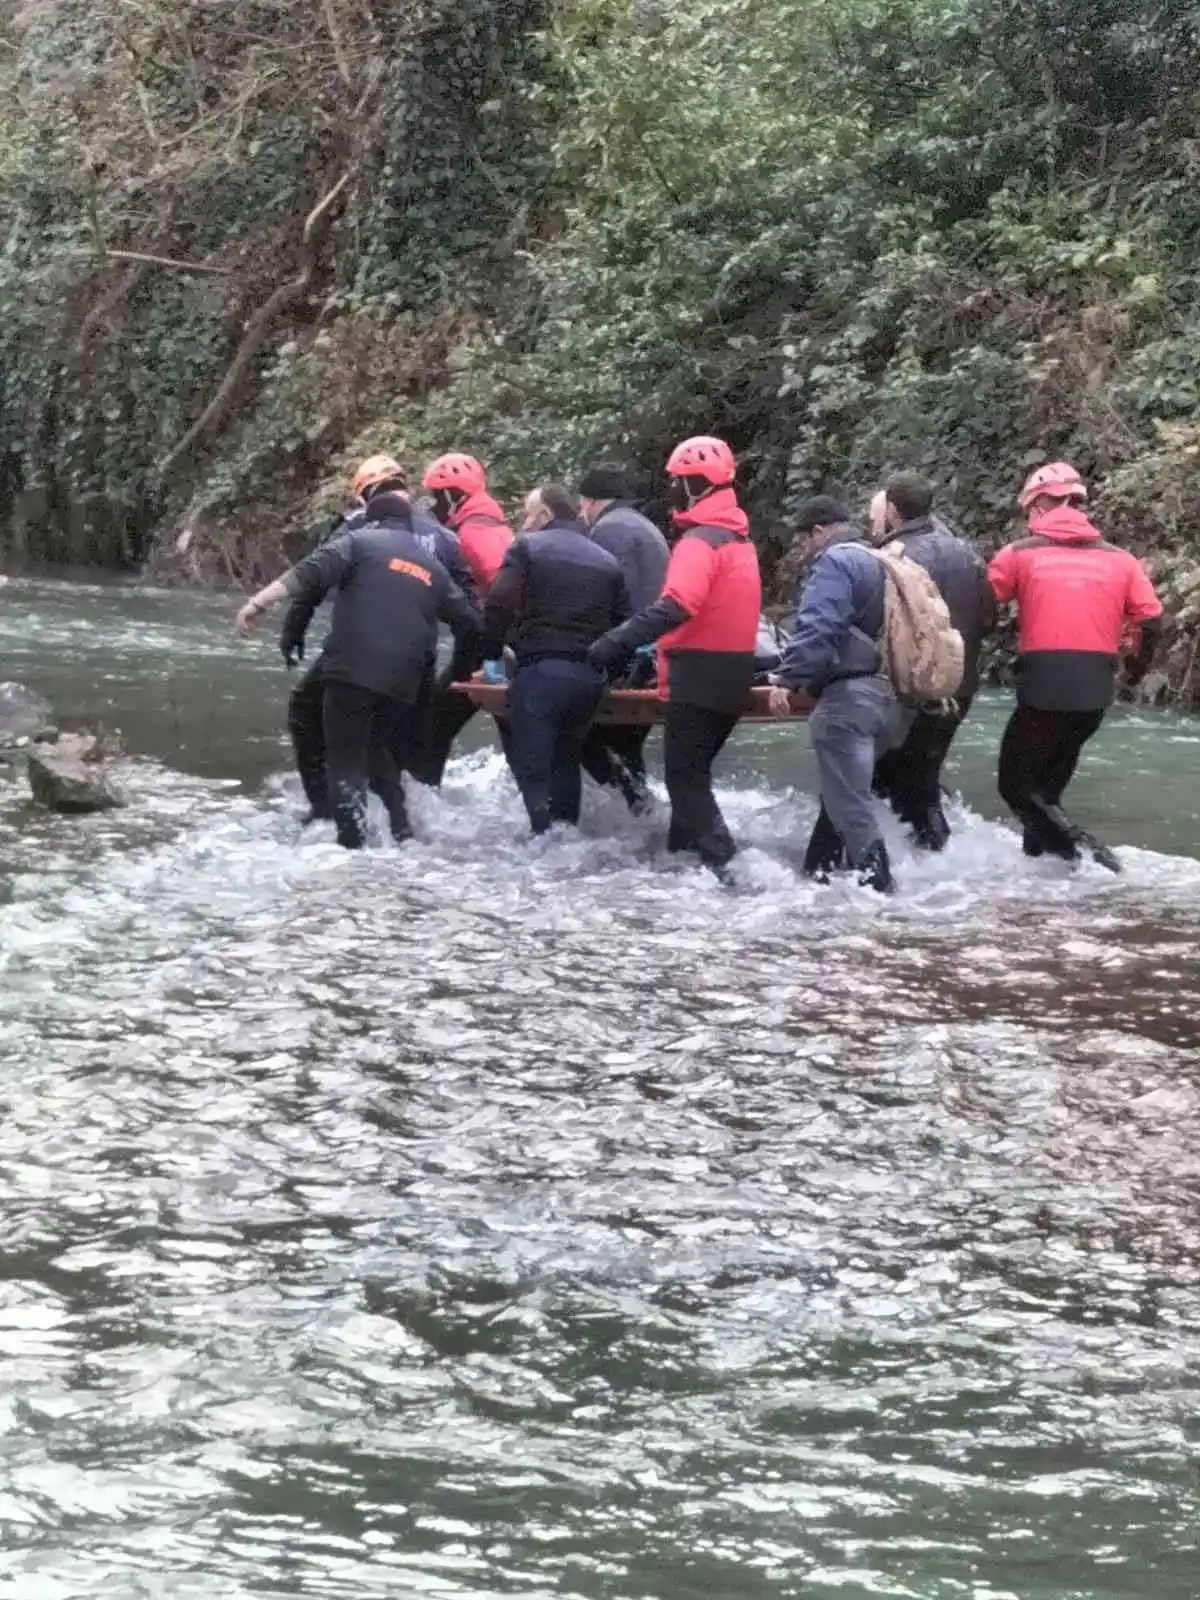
point(634, 707)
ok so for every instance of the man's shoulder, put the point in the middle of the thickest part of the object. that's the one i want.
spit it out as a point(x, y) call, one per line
point(628, 520)
point(851, 555)
point(940, 543)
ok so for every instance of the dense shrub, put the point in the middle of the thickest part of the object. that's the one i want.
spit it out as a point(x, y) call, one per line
point(942, 233)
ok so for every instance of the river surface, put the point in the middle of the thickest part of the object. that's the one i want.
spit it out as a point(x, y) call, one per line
point(493, 1219)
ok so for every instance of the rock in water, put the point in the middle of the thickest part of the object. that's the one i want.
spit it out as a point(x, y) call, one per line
point(66, 777)
point(24, 716)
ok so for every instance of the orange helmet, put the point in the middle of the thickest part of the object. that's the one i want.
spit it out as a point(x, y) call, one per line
point(456, 471)
point(703, 457)
point(374, 471)
point(1058, 480)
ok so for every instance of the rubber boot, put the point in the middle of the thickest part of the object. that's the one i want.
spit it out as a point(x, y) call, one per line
point(931, 831)
point(634, 790)
point(875, 869)
point(1052, 827)
point(826, 853)
point(1100, 853)
point(350, 815)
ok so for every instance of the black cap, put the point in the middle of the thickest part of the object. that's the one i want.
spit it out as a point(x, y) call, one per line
point(607, 480)
point(821, 511)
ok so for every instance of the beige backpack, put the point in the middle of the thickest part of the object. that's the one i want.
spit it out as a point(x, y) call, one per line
point(923, 651)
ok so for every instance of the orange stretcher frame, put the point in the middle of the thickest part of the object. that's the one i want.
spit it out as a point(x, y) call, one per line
point(634, 707)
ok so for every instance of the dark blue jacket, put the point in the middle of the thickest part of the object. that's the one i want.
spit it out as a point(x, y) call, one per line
point(839, 617)
point(389, 596)
point(638, 548)
point(392, 511)
point(555, 594)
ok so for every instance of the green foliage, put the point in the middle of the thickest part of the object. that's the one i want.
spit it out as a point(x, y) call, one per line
point(848, 236)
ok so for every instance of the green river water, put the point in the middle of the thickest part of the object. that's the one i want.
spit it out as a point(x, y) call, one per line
point(496, 1219)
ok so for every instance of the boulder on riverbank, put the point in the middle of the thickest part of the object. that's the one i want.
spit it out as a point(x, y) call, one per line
point(70, 776)
point(24, 716)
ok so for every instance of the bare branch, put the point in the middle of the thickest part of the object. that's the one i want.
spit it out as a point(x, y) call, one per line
point(157, 261)
point(335, 36)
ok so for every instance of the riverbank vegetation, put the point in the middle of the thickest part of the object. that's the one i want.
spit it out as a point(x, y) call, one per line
point(246, 240)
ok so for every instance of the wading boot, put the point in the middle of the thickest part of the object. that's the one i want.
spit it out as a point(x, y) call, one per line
point(826, 853)
point(875, 869)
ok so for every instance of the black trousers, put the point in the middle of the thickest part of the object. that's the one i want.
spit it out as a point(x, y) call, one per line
point(614, 756)
point(1038, 756)
point(365, 739)
point(446, 715)
point(693, 739)
point(306, 727)
point(909, 777)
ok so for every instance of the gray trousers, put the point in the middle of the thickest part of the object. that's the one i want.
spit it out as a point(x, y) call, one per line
point(854, 719)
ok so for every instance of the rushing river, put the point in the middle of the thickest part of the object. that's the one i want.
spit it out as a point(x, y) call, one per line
point(489, 1219)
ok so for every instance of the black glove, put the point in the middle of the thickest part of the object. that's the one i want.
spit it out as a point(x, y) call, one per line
point(292, 651)
point(609, 657)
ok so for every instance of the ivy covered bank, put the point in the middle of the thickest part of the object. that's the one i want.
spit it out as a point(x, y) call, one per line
point(245, 241)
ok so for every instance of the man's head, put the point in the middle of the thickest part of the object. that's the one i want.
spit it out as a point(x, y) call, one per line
point(907, 496)
point(818, 518)
point(599, 487)
point(552, 502)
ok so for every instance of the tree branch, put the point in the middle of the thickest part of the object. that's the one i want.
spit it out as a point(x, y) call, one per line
point(335, 36)
point(216, 413)
point(158, 261)
point(219, 409)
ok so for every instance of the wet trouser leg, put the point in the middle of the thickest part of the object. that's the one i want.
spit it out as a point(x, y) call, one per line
point(693, 738)
point(364, 742)
point(825, 853)
point(613, 756)
point(1038, 756)
point(445, 719)
point(909, 776)
point(307, 730)
point(551, 706)
point(391, 734)
point(845, 729)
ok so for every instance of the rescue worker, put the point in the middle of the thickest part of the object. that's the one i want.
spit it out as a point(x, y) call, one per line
point(554, 595)
point(390, 595)
point(705, 623)
point(380, 488)
point(614, 755)
point(909, 776)
point(1076, 595)
point(461, 503)
point(834, 655)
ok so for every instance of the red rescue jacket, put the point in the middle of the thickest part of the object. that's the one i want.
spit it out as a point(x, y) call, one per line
point(1075, 594)
point(485, 537)
point(713, 574)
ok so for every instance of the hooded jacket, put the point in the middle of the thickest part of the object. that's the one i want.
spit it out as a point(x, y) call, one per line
point(962, 581)
point(839, 616)
point(706, 619)
point(485, 536)
point(1075, 593)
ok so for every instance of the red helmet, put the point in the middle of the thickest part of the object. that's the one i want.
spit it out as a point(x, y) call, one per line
point(374, 471)
point(1058, 480)
point(703, 457)
point(455, 471)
